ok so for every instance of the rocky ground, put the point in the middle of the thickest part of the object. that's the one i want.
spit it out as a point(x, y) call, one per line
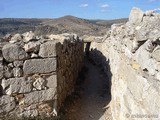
point(93, 101)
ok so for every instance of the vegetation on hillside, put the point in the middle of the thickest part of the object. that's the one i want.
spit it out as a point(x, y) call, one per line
point(64, 24)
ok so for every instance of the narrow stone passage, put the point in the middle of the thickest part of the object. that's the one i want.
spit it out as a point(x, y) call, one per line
point(93, 101)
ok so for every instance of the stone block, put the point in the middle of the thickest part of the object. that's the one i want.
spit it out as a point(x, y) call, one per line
point(52, 81)
point(32, 47)
point(136, 16)
point(156, 54)
point(40, 96)
point(27, 36)
point(7, 103)
point(17, 72)
point(17, 85)
point(149, 30)
point(39, 83)
point(16, 38)
point(39, 66)
point(48, 49)
point(12, 52)
point(8, 71)
point(18, 63)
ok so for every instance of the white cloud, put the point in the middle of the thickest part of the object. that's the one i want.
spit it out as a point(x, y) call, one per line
point(84, 5)
point(104, 6)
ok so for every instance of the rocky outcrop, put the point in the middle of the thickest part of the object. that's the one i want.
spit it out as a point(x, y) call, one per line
point(132, 50)
point(36, 75)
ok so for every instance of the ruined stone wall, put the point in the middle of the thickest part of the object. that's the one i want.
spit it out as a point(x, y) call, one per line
point(37, 74)
point(70, 56)
point(133, 52)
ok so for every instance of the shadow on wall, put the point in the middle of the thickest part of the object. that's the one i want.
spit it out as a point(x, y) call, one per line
point(102, 66)
point(92, 90)
point(1, 93)
point(97, 58)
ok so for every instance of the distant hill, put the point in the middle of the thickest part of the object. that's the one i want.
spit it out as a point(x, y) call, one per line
point(69, 24)
point(16, 25)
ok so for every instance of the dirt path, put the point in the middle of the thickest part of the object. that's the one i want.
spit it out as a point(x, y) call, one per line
point(94, 98)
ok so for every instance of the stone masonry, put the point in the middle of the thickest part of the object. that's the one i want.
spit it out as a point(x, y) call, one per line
point(37, 74)
point(132, 51)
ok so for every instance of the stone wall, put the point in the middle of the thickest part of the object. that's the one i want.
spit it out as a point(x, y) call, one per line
point(70, 56)
point(37, 74)
point(133, 52)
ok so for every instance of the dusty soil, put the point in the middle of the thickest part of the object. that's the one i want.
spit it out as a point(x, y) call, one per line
point(93, 102)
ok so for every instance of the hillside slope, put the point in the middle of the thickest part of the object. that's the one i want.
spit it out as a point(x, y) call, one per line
point(69, 24)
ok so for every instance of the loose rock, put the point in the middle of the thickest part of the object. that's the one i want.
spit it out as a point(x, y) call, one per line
point(12, 52)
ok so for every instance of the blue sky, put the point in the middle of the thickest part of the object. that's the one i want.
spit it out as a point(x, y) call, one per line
point(91, 9)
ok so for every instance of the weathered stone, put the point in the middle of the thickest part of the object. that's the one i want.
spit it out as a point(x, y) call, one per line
point(52, 81)
point(39, 66)
point(17, 85)
point(19, 97)
point(157, 76)
point(136, 16)
point(33, 55)
point(28, 36)
point(12, 52)
point(48, 49)
point(56, 37)
point(7, 37)
point(45, 108)
point(10, 65)
point(7, 103)
point(156, 54)
point(16, 38)
point(17, 72)
point(135, 66)
point(149, 30)
point(149, 13)
point(135, 76)
point(8, 72)
point(18, 63)
point(143, 57)
point(40, 96)
point(149, 46)
point(32, 47)
point(39, 83)
point(29, 113)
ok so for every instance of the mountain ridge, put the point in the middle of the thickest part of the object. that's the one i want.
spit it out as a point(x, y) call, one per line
point(68, 23)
